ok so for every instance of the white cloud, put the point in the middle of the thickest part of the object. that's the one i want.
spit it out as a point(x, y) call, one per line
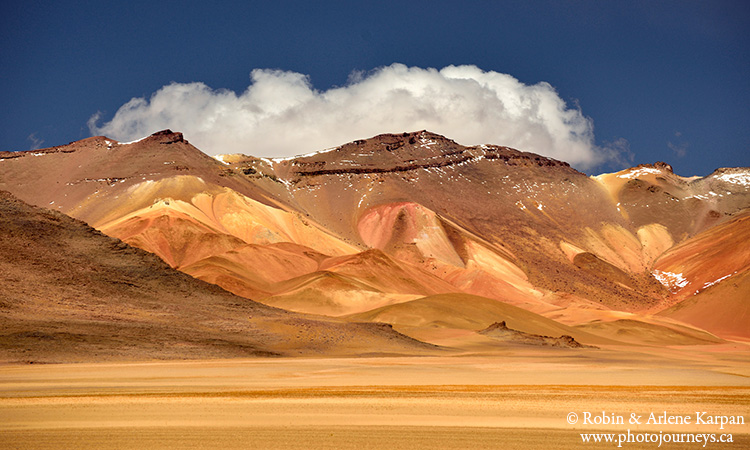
point(680, 148)
point(281, 114)
point(36, 143)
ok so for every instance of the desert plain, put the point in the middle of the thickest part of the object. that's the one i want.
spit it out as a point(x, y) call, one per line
point(517, 398)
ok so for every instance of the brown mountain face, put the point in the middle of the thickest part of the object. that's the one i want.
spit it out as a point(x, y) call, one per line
point(509, 225)
point(464, 213)
point(397, 218)
point(70, 293)
point(98, 178)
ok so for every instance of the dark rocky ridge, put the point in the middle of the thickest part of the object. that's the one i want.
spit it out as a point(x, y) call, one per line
point(394, 153)
point(501, 332)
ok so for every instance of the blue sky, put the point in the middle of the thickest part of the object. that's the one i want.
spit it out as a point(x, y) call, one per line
point(657, 80)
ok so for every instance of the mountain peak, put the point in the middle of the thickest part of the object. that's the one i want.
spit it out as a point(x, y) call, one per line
point(162, 137)
point(421, 139)
point(651, 168)
point(403, 153)
point(167, 137)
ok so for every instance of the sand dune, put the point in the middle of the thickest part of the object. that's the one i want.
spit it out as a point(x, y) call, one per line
point(641, 332)
point(440, 316)
point(332, 294)
point(377, 269)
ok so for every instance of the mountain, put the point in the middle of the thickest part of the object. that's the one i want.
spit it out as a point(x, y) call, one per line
point(401, 218)
point(70, 293)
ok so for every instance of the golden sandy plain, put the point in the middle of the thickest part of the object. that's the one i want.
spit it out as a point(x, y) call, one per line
point(517, 398)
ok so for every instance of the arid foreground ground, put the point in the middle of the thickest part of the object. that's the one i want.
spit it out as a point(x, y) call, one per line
point(517, 399)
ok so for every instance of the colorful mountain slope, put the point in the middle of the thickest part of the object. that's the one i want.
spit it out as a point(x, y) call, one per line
point(380, 222)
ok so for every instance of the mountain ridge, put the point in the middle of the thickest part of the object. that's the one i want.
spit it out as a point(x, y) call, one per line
point(484, 220)
point(72, 294)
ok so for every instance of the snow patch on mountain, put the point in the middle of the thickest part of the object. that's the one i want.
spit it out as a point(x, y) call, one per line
point(305, 155)
point(639, 172)
point(711, 283)
point(133, 142)
point(741, 178)
point(219, 158)
point(670, 280)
